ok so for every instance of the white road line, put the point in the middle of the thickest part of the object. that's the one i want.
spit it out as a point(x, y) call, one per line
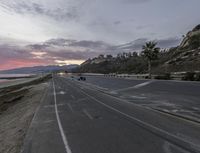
point(87, 114)
point(138, 97)
point(72, 96)
point(69, 105)
point(142, 84)
point(67, 148)
point(135, 87)
point(61, 93)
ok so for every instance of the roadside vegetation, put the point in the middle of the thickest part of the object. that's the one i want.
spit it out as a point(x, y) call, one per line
point(184, 59)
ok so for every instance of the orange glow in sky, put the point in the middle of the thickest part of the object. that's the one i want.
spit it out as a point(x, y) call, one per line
point(20, 63)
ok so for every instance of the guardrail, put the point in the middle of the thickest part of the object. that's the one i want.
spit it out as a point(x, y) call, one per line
point(186, 76)
point(134, 76)
point(173, 76)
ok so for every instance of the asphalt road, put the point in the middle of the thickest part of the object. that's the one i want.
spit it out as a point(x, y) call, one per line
point(77, 117)
point(178, 97)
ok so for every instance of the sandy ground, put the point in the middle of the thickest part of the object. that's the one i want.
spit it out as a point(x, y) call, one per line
point(16, 114)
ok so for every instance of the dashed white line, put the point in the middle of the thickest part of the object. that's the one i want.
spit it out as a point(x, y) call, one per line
point(69, 105)
point(61, 93)
point(72, 96)
point(135, 87)
point(142, 84)
point(67, 148)
point(87, 114)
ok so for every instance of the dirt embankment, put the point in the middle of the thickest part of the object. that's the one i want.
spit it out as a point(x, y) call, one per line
point(17, 107)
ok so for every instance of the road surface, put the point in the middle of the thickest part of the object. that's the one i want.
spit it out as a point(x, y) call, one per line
point(77, 117)
point(175, 97)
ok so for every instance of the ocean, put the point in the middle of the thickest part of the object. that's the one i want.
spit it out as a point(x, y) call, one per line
point(11, 77)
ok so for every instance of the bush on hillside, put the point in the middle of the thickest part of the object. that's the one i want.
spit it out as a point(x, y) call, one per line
point(197, 77)
point(189, 76)
point(166, 76)
point(194, 41)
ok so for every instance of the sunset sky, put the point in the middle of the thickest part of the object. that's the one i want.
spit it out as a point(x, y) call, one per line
point(47, 32)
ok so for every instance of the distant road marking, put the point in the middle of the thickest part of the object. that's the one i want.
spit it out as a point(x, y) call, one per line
point(142, 84)
point(87, 114)
point(70, 106)
point(72, 96)
point(138, 97)
point(67, 148)
point(136, 86)
point(61, 92)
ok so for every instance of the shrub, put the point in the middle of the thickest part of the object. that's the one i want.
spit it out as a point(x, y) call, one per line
point(189, 76)
point(166, 76)
point(197, 77)
point(194, 41)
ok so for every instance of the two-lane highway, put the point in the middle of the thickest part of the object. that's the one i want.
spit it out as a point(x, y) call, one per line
point(175, 97)
point(74, 118)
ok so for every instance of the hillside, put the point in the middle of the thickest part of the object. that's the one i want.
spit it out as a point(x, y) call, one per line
point(185, 57)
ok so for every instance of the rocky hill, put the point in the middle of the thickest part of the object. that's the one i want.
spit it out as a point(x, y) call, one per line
point(185, 57)
point(192, 38)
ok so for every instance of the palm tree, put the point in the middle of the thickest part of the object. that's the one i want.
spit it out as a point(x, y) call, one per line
point(150, 52)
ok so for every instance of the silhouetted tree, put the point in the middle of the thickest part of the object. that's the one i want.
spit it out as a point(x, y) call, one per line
point(150, 52)
point(101, 56)
point(109, 56)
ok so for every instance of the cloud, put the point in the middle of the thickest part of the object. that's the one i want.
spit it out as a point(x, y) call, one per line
point(16, 56)
point(69, 51)
point(64, 51)
point(38, 46)
point(66, 44)
point(34, 8)
point(112, 21)
point(135, 1)
point(138, 43)
point(169, 42)
point(117, 22)
point(135, 45)
point(12, 52)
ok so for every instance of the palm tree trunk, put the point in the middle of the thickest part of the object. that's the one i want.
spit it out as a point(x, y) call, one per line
point(149, 68)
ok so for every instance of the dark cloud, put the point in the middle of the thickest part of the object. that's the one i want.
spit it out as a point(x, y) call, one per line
point(96, 45)
point(9, 53)
point(135, 1)
point(59, 42)
point(67, 49)
point(68, 54)
point(169, 42)
point(91, 44)
point(117, 22)
point(137, 44)
point(134, 45)
point(38, 46)
point(70, 13)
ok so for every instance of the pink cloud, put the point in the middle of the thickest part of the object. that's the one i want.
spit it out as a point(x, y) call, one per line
point(10, 64)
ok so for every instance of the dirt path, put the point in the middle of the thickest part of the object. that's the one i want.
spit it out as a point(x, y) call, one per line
point(16, 116)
